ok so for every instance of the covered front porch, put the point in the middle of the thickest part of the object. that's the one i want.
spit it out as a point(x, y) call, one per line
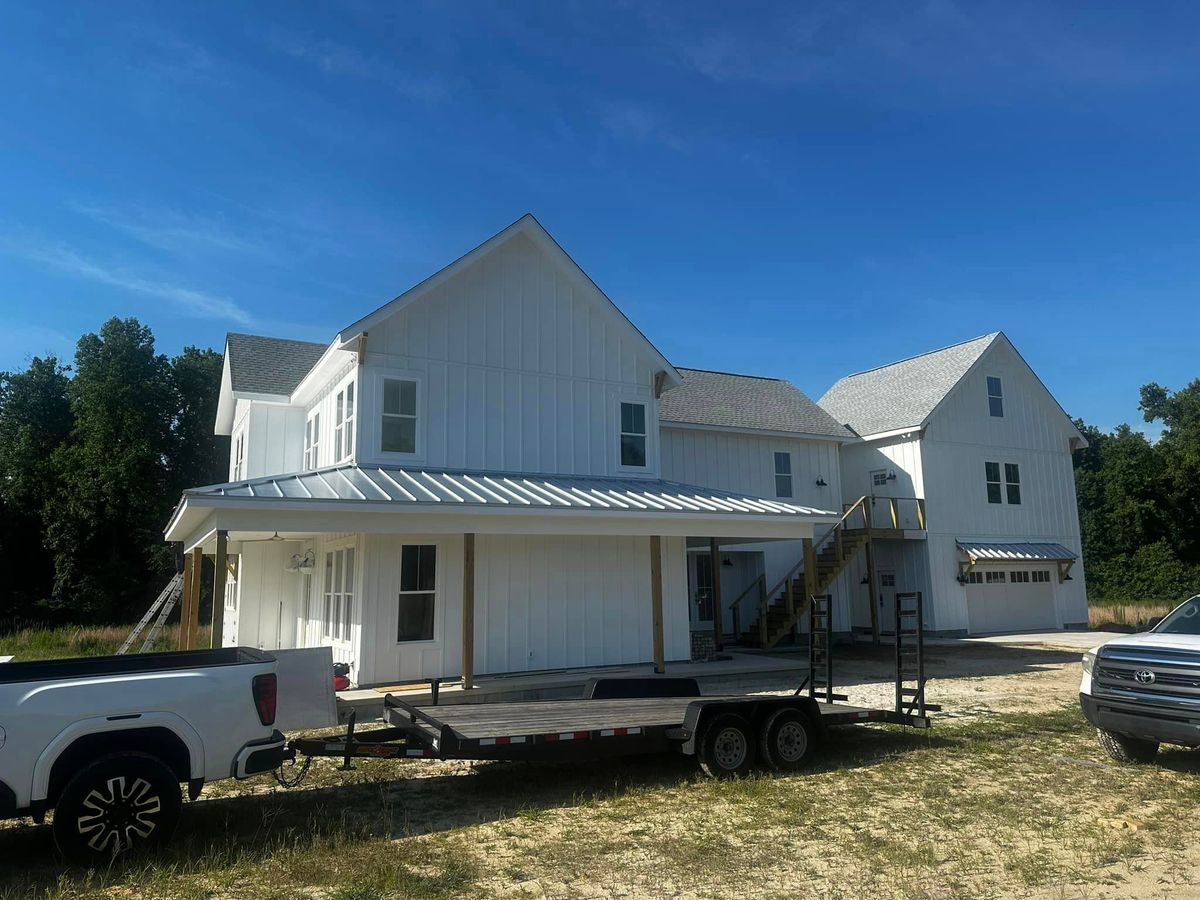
point(411, 575)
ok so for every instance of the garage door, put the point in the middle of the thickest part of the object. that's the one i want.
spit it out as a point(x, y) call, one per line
point(1010, 600)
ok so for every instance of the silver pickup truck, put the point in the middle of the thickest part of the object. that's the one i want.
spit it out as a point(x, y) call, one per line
point(1144, 689)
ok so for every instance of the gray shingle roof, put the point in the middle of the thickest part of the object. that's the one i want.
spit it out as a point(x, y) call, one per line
point(745, 401)
point(902, 394)
point(266, 365)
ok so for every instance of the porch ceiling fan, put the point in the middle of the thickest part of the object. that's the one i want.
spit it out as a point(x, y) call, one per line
point(275, 538)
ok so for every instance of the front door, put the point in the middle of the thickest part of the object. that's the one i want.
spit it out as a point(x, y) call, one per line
point(886, 601)
point(702, 599)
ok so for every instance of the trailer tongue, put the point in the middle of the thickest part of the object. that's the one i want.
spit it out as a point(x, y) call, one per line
point(628, 716)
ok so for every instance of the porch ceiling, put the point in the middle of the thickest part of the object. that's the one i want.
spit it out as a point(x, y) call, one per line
point(348, 497)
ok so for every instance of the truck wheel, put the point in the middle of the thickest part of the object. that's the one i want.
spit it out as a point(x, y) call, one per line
point(786, 740)
point(1124, 748)
point(120, 804)
point(726, 748)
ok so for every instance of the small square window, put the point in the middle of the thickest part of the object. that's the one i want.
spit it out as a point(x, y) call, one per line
point(633, 435)
point(783, 474)
point(879, 478)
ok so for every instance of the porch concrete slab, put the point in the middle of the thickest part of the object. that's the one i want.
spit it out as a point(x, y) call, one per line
point(563, 683)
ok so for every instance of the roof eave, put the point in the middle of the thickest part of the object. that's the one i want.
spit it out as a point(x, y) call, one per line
point(761, 432)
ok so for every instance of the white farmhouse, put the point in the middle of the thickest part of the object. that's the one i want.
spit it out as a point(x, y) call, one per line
point(498, 472)
point(974, 435)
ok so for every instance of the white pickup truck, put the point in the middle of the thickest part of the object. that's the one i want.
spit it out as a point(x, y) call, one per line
point(1144, 689)
point(105, 742)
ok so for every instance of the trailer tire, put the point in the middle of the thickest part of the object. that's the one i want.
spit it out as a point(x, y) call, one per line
point(787, 740)
point(726, 747)
point(1126, 749)
point(120, 805)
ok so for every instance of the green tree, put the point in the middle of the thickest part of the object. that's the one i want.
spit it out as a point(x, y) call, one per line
point(104, 521)
point(1179, 450)
point(197, 456)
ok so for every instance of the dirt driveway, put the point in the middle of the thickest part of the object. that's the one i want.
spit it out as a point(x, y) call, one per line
point(1008, 796)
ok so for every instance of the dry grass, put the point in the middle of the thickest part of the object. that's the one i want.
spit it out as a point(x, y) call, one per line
point(97, 640)
point(1131, 614)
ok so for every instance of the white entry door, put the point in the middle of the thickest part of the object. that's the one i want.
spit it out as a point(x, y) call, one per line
point(1001, 600)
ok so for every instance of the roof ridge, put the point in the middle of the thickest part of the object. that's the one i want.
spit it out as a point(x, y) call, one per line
point(731, 374)
point(906, 359)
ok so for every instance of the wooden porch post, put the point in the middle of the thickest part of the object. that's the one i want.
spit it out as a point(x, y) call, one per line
point(872, 580)
point(220, 559)
point(718, 609)
point(468, 613)
point(185, 601)
point(193, 620)
point(656, 604)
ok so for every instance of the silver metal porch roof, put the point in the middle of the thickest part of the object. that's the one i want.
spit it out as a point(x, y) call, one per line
point(426, 487)
point(977, 551)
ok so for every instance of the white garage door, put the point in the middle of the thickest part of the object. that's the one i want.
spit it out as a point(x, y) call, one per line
point(1010, 600)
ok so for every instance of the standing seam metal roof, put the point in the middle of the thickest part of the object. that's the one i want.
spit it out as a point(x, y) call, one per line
point(999, 551)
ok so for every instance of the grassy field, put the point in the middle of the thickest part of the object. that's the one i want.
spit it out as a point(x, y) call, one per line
point(37, 642)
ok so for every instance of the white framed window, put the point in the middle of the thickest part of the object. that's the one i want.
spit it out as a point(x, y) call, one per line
point(1012, 483)
point(398, 416)
point(416, 603)
point(312, 440)
point(994, 577)
point(239, 456)
point(783, 474)
point(887, 579)
point(879, 478)
point(343, 423)
point(991, 472)
point(995, 390)
point(1018, 577)
point(1041, 576)
point(633, 435)
point(337, 597)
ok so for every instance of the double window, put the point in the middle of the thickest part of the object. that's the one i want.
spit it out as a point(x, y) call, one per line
point(338, 596)
point(1006, 488)
point(399, 419)
point(633, 435)
point(783, 474)
point(418, 585)
point(995, 397)
point(312, 440)
point(343, 423)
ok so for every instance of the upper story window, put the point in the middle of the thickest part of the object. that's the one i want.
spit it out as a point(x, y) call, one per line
point(633, 435)
point(343, 423)
point(239, 457)
point(995, 396)
point(312, 440)
point(783, 474)
point(879, 478)
point(399, 416)
point(1009, 488)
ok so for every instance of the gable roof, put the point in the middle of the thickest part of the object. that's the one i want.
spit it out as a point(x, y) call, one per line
point(532, 229)
point(903, 394)
point(745, 401)
point(267, 365)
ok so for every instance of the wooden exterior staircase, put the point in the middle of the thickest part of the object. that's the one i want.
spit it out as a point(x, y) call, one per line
point(774, 612)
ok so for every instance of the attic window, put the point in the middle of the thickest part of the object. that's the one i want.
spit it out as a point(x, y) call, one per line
point(399, 416)
point(783, 474)
point(633, 435)
point(995, 397)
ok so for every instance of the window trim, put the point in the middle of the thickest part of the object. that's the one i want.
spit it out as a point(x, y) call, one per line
point(1015, 483)
point(619, 431)
point(788, 474)
point(998, 481)
point(239, 456)
point(438, 593)
point(312, 439)
point(377, 414)
point(337, 609)
point(345, 432)
point(999, 395)
point(872, 473)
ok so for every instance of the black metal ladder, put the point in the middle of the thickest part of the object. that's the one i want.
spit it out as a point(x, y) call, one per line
point(820, 649)
point(910, 655)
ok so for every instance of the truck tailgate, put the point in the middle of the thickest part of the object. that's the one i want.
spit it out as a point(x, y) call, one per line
point(306, 697)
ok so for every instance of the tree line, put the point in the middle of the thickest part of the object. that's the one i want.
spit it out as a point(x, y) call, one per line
point(94, 455)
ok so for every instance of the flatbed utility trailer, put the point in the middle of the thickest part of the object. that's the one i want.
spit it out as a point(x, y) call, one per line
point(632, 716)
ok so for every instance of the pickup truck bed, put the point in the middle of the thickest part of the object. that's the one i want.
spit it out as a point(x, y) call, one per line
point(130, 664)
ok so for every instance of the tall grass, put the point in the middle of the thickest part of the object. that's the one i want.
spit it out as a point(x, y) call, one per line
point(1129, 615)
point(34, 642)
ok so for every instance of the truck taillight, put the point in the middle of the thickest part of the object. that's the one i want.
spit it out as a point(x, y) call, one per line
point(266, 690)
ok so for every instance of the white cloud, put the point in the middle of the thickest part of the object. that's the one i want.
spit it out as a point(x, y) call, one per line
point(199, 304)
point(173, 231)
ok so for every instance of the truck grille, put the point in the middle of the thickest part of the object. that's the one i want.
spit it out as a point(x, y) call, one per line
point(1149, 675)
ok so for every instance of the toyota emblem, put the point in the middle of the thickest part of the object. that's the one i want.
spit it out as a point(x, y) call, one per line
point(1144, 676)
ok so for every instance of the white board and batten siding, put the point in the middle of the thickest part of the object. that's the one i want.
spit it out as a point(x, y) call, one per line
point(271, 435)
point(519, 368)
point(269, 599)
point(540, 603)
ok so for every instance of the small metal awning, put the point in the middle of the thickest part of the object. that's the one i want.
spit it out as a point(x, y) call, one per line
point(1030, 551)
point(346, 497)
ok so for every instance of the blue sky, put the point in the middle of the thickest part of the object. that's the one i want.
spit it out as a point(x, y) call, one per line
point(802, 189)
